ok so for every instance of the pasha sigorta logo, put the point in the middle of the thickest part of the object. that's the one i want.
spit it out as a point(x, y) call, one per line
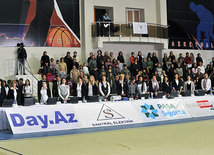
point(149, 111)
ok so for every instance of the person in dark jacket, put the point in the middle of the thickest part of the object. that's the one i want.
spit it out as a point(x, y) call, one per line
point(95, 73)
point(135, 67)
point(166, 86)
point(155, 61)
point(199, 59)
point(14, 93)
point(40, 86)
point(2, 93)
point(177, 84)
point(154, 86)
point(79, 89)
point(22, 56)
point(99, 59)
point(45, 63)
point(20, 87)
point(68, 60)
point(122, 88)
point(56, 83)
point(120, 57)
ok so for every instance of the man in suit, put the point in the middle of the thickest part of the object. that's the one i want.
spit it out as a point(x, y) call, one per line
point(56, 83)
point(20, 87)
point(40, 86)
point(2, 93)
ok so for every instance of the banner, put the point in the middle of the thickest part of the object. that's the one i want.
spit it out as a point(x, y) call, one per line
point(161, 110)
point(106, 114)
point(140, 28)
point(41, 119)
point(191, 24)
point(200, 106)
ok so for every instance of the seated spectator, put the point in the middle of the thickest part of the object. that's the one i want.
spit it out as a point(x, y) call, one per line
point(144, 63)
point(45, 63)
point(125, 70)
point(112, 83)
point(197, 83)
point(166, 87)
point(62, 73)
point(81, 68)
point(63, 91)
point(185, 68)
point(149, 55)
point(92, 63)
point(2, 93)
point(70, 84)
point(154, 60)
point(199, 74)
point(149, 66)
point(62, 64)
point(189, 85)
point(202, 69)
point(103, 69)
point(206, 84)
point(139, 74)
point(126, 78)
point(162, 76)
point(188, 60)
point(212, 63)
point(120, 57)
point(132, 58)
point(165, 60)
point(108, 62)
point(171, 56)
point(171, 73)
point(120, 65)
point(52, 66)
point(192, 58)
point(104, 88)
point(158, 77)
point(176, 84)
point(85, 69)
point(95, 73)
point(122, 86)
point(145, 76)
point(135, 67)
point(114, 63)
point(90, 57)
point(159, 69)
point(110, 70)
point(194, 69)
point(44, 93)
point(141, 86)
point(27, 89)
point(56, 84)
point(189, 73)
point(106, 56)
point(80, 89)
point(74, 74)
point(132, 89)
point(92, 86)
point(99, 59)
point(6, 86)
point(175, 63)
point(154, 86)
point(179, 70)
point(140, 59)
point(56, 66)
point(199, 59)
point(181, 58)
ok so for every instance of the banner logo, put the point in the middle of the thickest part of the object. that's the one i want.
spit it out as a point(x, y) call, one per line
point(204, 104)
point(107, 113)
point(149, 111)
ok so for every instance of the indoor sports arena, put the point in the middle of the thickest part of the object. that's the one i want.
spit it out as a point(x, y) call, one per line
point(113, 77)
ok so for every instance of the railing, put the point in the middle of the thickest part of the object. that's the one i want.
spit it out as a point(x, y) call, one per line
point(113, 29)
point(29, 75)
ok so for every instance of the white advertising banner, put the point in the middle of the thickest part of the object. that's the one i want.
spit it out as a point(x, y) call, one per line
point(140, 28)
point(106, 114)
point(161, 110)
point(200, 106)
point(42, 119)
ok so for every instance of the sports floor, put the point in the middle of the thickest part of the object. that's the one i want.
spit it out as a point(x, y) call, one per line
point(187, 138)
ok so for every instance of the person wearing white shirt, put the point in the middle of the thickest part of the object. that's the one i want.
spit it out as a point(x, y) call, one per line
point(45, 93)
point(85, 69)
point(75, 56)
point(201, 68)
point(141, 86)
point(64, 91)
point(104, 88)
point(27, 89)
point(206, 84)
point(14, 93)
point(80, 89)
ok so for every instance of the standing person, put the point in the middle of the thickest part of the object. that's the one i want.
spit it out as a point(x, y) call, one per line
point(122, 86)
point(201, 67)
point(68, 61)
point(135, 67)
point(62, 73)
point(112, 56)
point(154, 86)
point(206, 84)
point(171, 55)
point(74, 74)
point(92, 87)
point(132, 89)
point(104, 88)
point(140, 59)
point(92, 63)
point(132, 58)
point(44, 93)
point(90, 57)
point(176, 84)
point(22, 56)
point(165, 60)
point(181, 59)
point(62, 64)
point(166, 87)
point(113, 84)
point(27, 89)
point(192, 58)
point(155, 61)
point(63, 91)
point(75, 56)
point(199, 59)
point(149, 66)
point(45, 63)
point(141, 86)
point(106, 56)
point(14, 93)
point(20, 87)
point(95, 73)
point(56, 84)
point(2, 93)
point(189, 85)
point(75, 63)
point(6, 86)
point(80, 89)
point(188, 60)
point(99, 59)
point(40, 86)
point(120, 57)
point(125, 70)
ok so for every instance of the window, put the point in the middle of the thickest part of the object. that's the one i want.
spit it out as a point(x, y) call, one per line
point(132, 15)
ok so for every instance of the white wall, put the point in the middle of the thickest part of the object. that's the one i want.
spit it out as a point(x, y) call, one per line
point(34, 56)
